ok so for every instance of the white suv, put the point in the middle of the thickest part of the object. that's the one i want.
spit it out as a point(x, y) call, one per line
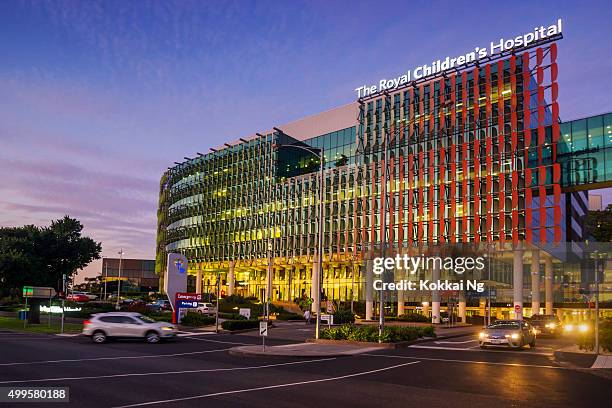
point(102, 326)
point(206, 308)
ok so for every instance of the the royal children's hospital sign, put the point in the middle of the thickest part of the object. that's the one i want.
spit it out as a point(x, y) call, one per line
point(441, 65)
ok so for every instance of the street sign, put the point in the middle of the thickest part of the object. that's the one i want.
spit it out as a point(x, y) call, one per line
point(517, 308)
point(263, 329)
point(186, 304)
point(329, 318)
point(245, 311)
point(194, 297)
point(41, 292)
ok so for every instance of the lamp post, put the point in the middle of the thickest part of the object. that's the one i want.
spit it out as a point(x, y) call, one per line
point(117, 306)
point(600, 260)
point(321, 157)
point(105, 276)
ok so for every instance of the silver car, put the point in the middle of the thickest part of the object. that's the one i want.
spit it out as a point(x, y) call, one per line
point(510, 333)
point(102, 326)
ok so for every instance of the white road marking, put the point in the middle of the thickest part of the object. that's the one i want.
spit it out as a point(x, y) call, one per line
point(532, 353)
point(455, 342)
point(464, 361)
point(417, 346)
point(113, 358)
point(204, 370)
point(185, 334)
point(268, 387)
point(220, 341)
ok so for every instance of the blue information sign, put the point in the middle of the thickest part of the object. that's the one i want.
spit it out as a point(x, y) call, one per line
point(186, 304)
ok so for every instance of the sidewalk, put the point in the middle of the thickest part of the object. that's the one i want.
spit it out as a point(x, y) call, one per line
point(302, 350)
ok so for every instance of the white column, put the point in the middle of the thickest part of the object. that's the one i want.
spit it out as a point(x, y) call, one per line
point(435, 295)
point(313, 284)
point(400, 303)
point(425, 308)
point(535, 281)
point(369, 271)
point(517, 272)
point(462, 307)
point(231, 278)
point(548, 284)
point(198, 283)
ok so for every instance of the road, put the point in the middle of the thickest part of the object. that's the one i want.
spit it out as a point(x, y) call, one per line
point(197, 370)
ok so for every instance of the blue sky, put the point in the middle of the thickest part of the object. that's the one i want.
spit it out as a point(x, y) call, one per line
point(98, 98)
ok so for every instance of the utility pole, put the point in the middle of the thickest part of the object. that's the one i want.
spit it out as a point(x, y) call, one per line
point(383, 229)
point(320, 239)
point(218, 301)
point(63, 301)
point(105, 276)
point(117, 306)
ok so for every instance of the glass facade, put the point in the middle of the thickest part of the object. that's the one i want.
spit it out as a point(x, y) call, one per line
point(474, 156)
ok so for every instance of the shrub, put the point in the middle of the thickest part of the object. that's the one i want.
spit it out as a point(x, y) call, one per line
point(587, 341)
point(240, 324)
point(289, 316)
point(413, 317)
point(196, 319)
point(344, 316)
point(391, 334)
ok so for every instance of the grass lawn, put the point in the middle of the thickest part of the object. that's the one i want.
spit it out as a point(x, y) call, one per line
point(13, 323)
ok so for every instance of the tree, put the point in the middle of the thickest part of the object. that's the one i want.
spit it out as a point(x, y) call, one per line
point(599, 224)
point(40, 256)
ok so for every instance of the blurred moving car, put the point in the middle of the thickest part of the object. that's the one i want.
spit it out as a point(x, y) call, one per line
point(160, 305)
point(102, 326)
point(511, 333)
point(77, 297)
point(206, 308)
point(546, 324)
point(576, 328)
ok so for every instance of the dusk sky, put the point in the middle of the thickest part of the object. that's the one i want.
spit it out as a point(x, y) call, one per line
point(97, 99)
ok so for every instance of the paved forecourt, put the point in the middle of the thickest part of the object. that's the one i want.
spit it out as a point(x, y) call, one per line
point(196, 370)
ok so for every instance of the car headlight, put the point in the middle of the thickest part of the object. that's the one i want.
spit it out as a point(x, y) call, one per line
point(514, 336)
point(569, 327)
point(583, 328)
point(167, 328)
point(551, 325)
point(482, 335)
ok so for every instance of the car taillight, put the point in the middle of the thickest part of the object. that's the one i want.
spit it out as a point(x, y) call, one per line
point(86, 322)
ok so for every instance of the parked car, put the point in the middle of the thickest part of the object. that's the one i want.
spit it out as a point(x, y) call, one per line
point(91, 296)
point(77, 297)
point(102, 326)
point(510, 333)
point(160, 305)
point(206, 308)
point(546, 324)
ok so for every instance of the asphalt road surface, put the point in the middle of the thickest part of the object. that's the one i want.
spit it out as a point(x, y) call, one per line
point(197, 370)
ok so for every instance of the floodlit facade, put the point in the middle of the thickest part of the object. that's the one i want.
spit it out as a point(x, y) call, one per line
point(476, 156)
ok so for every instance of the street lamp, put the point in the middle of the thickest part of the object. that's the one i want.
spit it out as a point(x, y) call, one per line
point(600, 260)
point(321, 157)
point(105, 276)
point(117, 306)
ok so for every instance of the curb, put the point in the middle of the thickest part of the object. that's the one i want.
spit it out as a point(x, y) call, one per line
point(402, 344)
point(569, 359)
point(243, 351)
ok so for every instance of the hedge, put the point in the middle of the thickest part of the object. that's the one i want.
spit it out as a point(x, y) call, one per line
point(587, 341)
point(410, 317)
point(193, 319)
point(240, 324)
point(344, 316)
point(391, 334)
point(289, 316)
